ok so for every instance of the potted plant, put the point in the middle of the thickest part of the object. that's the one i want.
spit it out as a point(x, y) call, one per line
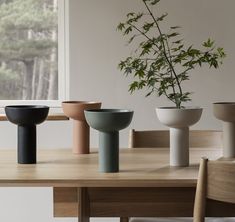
point(161, 64)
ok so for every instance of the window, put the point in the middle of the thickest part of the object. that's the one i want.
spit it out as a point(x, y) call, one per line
point(32, 51)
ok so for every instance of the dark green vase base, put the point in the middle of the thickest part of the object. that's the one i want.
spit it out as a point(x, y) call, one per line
point(109, 152)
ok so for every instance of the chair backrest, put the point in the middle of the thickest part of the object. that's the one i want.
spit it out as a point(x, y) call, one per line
point(160, 138)
point(216, 184)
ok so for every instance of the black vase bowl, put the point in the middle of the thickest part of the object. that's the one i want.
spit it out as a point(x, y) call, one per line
point(27, 117)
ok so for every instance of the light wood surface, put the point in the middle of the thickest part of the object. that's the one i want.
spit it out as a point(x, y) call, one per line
point(216, 184)
point(76, 179)
point(138, 168)
point(51, 117)
point(200, 197)
point(161, 138)
point(140, 202)
point(65, 202)
point(221, 181)
point(126, 202)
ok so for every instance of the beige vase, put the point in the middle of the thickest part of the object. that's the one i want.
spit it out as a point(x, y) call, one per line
point(81, 130)
point(226, 112)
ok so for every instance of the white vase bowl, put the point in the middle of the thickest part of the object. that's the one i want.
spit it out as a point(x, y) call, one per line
point(179, 121)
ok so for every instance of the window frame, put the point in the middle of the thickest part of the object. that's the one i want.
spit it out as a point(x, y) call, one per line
point(63, 63)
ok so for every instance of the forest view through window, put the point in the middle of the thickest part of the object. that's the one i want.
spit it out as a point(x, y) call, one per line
point(28, 49)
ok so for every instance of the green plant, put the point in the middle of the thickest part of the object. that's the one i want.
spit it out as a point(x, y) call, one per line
point(162, 62)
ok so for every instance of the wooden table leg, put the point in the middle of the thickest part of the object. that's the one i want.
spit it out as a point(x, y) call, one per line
point(84, 205)
point(124, 219)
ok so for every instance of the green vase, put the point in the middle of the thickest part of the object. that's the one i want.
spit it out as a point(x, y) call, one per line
point(109, 122)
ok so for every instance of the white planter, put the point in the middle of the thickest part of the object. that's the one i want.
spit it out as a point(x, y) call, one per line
point(179, 121)
point(226, 113)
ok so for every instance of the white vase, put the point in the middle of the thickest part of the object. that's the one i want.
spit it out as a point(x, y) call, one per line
point(179, 121)
point(226, 113)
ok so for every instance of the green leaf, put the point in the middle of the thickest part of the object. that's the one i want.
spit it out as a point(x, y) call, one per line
point(146, 48)
point(128, 30)
point(133, 86)
point(175, 27)
point(161, 18)
point(178, 41)
point(209, 43)
point(172, 34)
point(135, 18)
point(148, 26)
point(152, 2)
point(140, 73)
point(131, 39)
point(131, 14)
point(221, 52)
point(120, 26)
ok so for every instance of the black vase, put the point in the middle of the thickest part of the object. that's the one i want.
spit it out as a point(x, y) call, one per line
point(27, 117)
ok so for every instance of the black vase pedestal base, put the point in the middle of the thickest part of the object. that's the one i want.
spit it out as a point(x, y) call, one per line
point(27, 150)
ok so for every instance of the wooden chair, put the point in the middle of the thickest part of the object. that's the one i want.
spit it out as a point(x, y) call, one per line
point(215, 193)
point(160, 139)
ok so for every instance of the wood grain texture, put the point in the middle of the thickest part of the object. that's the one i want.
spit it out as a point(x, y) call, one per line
point(138, 168)
point(160, 138)
point(200, 197)
point(219, 209)
point(126, 202)
point(124, 219)
point(84, 205)
point(51, 117)
point(215, 195)
point(142, 202)
point(65, 202)
point(221, 181)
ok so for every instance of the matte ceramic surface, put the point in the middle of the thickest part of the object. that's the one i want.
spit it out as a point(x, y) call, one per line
point(27, 117)
point(109, 122)
point(81, 131)
point(226, 113)
point(177, 118)
point(179, 121)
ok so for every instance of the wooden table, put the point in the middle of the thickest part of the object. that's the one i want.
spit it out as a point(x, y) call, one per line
point(145, 185)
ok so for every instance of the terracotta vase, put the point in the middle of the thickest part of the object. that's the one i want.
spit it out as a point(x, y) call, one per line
point(81, 130)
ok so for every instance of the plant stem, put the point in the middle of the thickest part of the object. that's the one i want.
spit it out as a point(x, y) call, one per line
point(165, 93)
point(172, 85)
point(178, 104)
point(133, 26)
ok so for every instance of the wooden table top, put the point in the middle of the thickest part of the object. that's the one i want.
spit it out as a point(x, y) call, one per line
point(51, 117)
point(138, 168)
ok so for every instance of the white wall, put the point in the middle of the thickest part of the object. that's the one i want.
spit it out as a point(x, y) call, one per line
point(95, 50)
point(100, 47)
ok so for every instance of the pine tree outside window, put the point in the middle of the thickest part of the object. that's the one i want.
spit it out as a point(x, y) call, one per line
point(32, 52)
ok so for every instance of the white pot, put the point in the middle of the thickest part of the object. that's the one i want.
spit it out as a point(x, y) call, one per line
point(179, 121)
point(226, 113)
